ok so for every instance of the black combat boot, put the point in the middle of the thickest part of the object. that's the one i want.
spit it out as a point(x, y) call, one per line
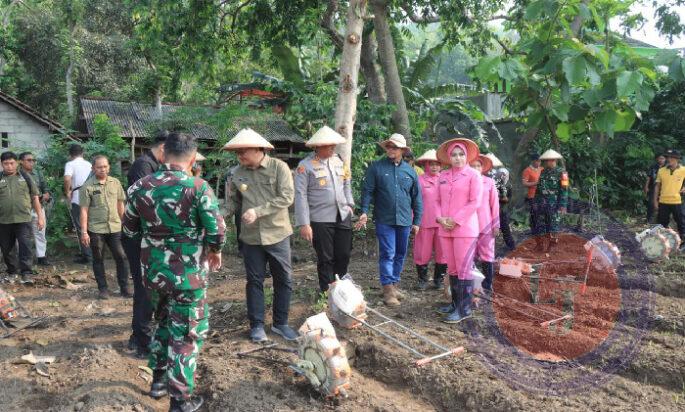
point(158, 389)
point(422, 271)
point(186, 405)
point(439, 274)
point(488, 269)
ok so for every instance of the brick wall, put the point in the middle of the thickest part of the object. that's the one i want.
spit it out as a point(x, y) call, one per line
point(24, 131)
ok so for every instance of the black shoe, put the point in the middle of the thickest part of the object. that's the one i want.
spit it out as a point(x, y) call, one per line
point(190, 405)
point(82, 260)
point(126, 294)
point(141, 353)
point(103, 294)
point(42, 261)
point(158, 389)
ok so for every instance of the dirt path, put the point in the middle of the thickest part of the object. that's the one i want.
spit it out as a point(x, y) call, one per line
point(93, 372)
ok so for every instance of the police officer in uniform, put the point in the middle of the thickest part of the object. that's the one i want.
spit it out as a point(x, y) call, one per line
point(323, 205)
point(551, 200)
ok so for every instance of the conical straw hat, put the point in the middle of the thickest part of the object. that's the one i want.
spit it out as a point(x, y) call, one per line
point(199, 157)
point(245, 139)
point(485, 162)
point(325, 137)
point(551, 155)
point(495, 161)
point(429, 156)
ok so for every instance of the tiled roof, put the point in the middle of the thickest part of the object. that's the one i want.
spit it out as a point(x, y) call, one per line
point(134, 119)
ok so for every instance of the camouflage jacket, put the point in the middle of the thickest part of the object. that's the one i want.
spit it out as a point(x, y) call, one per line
point(176, 216)
point(553, 187)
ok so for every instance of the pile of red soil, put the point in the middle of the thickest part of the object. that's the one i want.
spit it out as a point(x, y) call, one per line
point(521, 305)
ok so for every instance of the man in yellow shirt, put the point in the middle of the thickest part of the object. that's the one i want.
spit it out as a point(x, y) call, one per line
point(669, 190)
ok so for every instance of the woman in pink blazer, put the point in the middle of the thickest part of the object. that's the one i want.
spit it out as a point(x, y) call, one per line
point(459, 196)
point(427, 242)
point(488, 221)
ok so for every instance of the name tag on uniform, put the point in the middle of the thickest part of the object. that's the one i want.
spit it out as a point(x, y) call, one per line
point(320, 173)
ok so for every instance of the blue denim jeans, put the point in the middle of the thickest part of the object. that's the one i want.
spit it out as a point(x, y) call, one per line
point(393, 242)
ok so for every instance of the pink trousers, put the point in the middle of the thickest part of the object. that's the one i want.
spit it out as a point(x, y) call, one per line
point(426, 242)
point(459, 254)
point(486, 248)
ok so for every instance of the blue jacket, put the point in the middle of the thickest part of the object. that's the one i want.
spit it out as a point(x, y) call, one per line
point(394, 191)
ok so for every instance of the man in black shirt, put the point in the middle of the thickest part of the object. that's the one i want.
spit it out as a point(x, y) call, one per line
point(139, 341)
point(650, 183)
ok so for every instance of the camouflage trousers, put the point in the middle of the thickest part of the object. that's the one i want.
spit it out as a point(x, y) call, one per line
point(545, 217)
point(183, 322)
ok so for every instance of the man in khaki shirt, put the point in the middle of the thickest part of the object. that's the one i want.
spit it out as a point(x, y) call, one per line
point(102, 207)
point(18, 194)
point(261, 190)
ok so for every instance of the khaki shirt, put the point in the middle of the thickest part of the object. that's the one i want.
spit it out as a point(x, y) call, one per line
point(268, 190)
point(15, 198)
point(101, 200)
point(322, 190)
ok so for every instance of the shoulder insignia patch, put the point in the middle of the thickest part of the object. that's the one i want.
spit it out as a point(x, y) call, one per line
point(300, 169)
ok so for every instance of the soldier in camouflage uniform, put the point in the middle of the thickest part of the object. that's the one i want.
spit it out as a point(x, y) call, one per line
point(551, 200)
point(177, 217)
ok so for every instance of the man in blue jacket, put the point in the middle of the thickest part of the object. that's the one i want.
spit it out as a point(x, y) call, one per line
point(393, 187)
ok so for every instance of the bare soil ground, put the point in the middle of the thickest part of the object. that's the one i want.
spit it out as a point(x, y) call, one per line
point(93, 371)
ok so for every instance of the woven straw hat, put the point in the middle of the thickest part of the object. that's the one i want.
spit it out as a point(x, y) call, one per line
point(429, 156)
point(485, 162)
point(471, 149)
point(551, 155)
point(245, 139)
point(396, 139)
point(325, 137)
point(495, 161)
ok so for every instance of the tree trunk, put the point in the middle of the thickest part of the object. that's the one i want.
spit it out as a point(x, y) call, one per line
point(346, 107)
point(69, 85)
point(5, 26)
point(158, 102)
point(518, 163)
point(374, 81)
point(386, 53)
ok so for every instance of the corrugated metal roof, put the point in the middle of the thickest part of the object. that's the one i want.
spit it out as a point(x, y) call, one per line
point(134, 118)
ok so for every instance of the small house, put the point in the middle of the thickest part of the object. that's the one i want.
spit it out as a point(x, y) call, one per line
point(137, 120)
point(23, 128)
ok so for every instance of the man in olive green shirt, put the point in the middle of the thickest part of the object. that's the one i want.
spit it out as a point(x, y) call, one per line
point(102, 207)
point(28, 163)
point(18, 194)
point(260, 192)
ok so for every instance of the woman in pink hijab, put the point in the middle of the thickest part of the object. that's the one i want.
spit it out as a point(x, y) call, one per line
point(488, 221)
point(459, 195)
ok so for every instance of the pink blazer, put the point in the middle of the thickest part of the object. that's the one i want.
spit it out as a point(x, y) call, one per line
point(459, 197)
point(429, 194)
point(488, 211)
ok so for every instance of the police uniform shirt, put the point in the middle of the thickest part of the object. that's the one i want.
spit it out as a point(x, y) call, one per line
point(322, 190)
